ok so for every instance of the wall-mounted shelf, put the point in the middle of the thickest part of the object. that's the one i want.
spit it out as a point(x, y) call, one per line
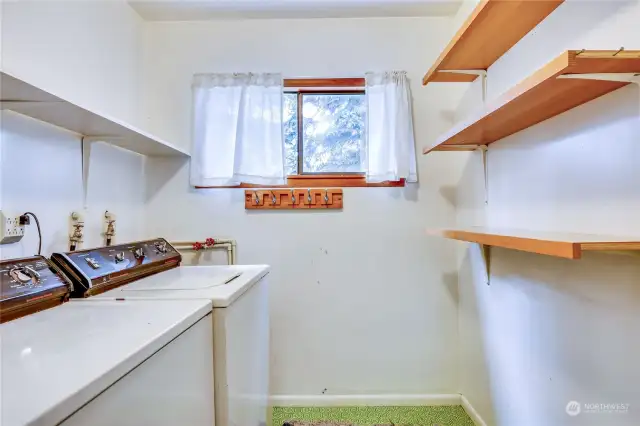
point(570, 80)
point(493, 28)
point(559, 244)
point(32, 101)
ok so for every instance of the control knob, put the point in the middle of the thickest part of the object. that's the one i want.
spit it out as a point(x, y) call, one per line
point(161, 246)
point(25, 274)
point(92, 262)
point(119, 257)
point(19, 275)
point(138, 253)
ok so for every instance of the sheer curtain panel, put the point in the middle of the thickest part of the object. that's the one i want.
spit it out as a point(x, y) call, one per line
point(390, 148)
point(237, 130)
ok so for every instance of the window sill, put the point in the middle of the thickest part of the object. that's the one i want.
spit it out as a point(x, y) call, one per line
point(329, 180)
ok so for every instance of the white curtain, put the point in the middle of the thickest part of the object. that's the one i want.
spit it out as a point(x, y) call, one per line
point(390, 151)
point(237, 130)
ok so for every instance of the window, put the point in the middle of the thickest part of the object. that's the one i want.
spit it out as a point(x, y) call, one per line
point(324, 132)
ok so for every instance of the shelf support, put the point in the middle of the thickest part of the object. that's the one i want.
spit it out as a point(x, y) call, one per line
point(485, 169)
point(104, 138)
point(485, 250)
point(456, 148)
point(87, 142)
point(86, 159)
point(619, 77)
point(480, 73)
point(485, 161)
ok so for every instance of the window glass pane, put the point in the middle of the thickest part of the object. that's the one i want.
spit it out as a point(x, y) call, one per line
point(290, 117)
point(333, 129)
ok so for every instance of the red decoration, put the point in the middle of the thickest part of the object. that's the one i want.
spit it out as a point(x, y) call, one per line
point(197, 246)
point(210, 242)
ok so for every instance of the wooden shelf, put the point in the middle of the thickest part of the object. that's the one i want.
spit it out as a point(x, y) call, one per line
point(493, 28)
point(559, 244)
point(541, 96)
point(27, 99)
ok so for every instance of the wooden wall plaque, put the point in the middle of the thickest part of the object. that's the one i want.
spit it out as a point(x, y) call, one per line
point(290, 199)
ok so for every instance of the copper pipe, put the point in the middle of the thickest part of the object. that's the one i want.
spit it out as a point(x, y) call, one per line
point(229, 244)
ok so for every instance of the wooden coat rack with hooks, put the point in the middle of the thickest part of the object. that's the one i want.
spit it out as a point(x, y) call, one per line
point(294, 198)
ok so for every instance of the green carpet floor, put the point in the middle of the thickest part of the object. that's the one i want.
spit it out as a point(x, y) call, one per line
point(449, 415)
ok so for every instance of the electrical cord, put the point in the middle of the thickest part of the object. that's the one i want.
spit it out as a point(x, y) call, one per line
point(39, 231)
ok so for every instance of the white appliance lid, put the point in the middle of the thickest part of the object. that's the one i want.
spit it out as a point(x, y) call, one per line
point(55, 361)
point(198, 279)
point(192, 282)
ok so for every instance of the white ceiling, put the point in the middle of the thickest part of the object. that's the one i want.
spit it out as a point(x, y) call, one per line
point(199, 10)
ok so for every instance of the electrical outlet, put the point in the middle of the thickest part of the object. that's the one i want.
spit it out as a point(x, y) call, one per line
point(10, 229)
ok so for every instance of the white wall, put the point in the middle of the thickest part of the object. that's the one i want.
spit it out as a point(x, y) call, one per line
point(548, 331)
point(42, 173)
point(463, 13)
point(360, 301)
point(87, 52)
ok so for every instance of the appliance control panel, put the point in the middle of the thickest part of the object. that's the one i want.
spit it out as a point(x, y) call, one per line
point(97, 270)
point(29, 285)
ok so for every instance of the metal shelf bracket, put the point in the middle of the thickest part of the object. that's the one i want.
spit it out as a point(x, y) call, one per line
point(86, 159)
point(485, 250)
point(87, 142)
point(480, 73)
point(485, 161)
point(485, 168)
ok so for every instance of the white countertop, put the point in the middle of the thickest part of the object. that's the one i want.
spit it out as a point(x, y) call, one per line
point(55, 361)
point(192, 282)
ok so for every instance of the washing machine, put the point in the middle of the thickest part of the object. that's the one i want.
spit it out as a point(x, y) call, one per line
point(240, 320)
point(112, 362)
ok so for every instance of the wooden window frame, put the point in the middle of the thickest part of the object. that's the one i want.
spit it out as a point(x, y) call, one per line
point(304, 180)
point(322, 181)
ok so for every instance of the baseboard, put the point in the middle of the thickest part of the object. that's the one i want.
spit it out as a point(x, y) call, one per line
point(364, 400)
point(471, 412)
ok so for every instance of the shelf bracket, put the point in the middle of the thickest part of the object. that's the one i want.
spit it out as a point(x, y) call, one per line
point(86, 159)
point(485, 250)
point(619, 77)
point(87, 142)
point(485, 161)
point(105, 138)
point(456, 148)
point(485, 169)
point(480, 73)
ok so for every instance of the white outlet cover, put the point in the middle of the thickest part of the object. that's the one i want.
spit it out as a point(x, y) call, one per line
point(10, 229)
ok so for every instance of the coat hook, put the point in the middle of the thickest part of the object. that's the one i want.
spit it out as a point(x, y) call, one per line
point(273, 198)
point(326, 196)
point(309, 195)
point(257, 199)
point(293, 197)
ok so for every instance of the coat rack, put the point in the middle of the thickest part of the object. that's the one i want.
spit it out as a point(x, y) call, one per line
point(294, 198)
